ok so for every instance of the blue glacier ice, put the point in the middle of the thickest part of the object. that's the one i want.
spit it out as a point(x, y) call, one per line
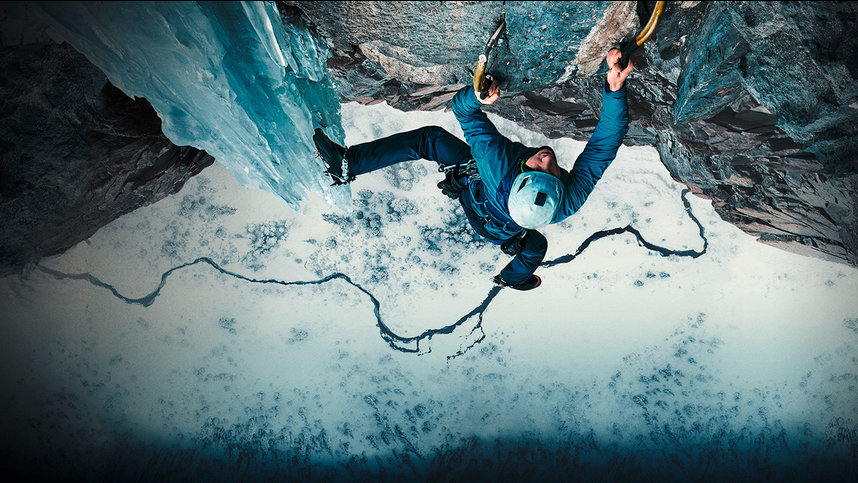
point(228, 77)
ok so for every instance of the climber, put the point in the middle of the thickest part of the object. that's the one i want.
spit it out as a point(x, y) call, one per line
point(516, 189)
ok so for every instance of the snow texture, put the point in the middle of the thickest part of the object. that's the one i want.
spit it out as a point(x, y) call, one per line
point(218, 334)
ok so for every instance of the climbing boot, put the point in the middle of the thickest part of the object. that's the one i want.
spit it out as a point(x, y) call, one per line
point(529, 284)
point(334, 157)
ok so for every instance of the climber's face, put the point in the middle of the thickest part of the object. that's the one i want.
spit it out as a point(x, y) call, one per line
point(544, 160)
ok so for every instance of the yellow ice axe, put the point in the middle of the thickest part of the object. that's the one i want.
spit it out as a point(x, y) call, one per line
point(481, 79)
point(627, 47)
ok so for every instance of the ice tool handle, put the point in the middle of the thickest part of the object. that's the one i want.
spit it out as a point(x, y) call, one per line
point(482, 80)
point(627, 45)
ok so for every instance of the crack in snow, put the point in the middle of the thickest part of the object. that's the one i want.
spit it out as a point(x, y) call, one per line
point(473, 319)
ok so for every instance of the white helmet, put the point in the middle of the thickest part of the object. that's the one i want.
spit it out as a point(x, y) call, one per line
point(534, 199)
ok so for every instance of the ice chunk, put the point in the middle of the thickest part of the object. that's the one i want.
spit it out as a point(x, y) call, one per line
point(228, 77)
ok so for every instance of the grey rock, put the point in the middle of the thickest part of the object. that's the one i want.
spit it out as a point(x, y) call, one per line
point(77, 153)
point(751, 104)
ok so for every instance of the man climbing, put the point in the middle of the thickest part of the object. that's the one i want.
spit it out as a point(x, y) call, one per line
point(518, 189)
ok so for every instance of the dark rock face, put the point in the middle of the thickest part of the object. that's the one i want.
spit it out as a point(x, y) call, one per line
point(436, 42)
point(77, 153)
point(764, 123)
point(751, 104)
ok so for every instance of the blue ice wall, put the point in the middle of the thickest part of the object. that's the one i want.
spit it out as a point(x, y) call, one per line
point(227, 77)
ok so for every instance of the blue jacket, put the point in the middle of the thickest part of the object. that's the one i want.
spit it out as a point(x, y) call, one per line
point(499, 162)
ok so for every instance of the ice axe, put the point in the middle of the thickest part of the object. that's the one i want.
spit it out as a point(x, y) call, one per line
point(629, 45)
point(482, 80)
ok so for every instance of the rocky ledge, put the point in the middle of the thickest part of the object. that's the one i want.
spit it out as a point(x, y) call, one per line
point(77, 153)
point(751, 104)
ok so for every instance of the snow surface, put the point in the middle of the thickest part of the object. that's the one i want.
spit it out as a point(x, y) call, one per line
point(740, 361)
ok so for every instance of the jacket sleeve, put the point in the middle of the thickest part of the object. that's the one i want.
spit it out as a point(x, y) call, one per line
point(601, 149)
point(492, 152)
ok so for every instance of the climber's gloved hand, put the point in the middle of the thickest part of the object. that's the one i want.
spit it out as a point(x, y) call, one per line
point(492, 95)
point(616, 75)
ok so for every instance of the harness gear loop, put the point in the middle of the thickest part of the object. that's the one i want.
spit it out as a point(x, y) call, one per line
point(456, 177)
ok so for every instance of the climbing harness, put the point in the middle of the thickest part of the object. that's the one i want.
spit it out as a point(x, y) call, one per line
point(482, 80)
point(629, 45)
point(457, 177)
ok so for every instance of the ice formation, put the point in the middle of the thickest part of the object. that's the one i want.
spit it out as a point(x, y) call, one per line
point(227, 77)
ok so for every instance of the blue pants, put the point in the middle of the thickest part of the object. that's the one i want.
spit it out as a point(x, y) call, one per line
point(436, 144)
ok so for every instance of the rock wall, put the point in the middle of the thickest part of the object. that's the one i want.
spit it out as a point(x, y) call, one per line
point(75, 152)
point(751, 104)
